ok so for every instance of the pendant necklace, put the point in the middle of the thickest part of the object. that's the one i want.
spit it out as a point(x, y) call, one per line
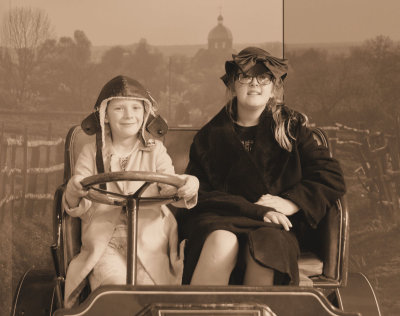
point(123, 160)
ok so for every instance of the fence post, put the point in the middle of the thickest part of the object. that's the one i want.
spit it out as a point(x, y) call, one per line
point(333, 142)
point(24, 167)
point(47, 176)
point(3, 160)
point(6, 231)
point(60, 159)
point(396, 154)
point(12, 176)
point(34, 161)
point(47, 163)
point(396, 157)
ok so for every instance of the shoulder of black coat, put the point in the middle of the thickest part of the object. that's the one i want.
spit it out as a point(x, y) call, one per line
point(295, 118)
point(218, 121)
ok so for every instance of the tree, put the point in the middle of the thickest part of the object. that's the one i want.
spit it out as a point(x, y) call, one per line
point(6, 86)
point(66, 77)
point(362, 83)
point(321, 85)
point(147, 65)
point(23, 30)
point(380, 60)
point(112, 62)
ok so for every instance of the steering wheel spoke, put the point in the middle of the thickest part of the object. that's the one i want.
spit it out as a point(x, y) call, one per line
point(105, 197)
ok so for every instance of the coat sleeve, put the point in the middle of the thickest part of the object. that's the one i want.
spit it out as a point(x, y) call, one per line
point(216, 200)
point(163, 160)
point(85, 166)
point(164, 165)
point(322, 180)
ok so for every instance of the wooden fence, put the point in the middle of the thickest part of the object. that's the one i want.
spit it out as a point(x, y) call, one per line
point(28, 164)
point(378, 155)
point(30, 168)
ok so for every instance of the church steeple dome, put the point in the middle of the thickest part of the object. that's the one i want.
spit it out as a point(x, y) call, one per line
point(220, 37)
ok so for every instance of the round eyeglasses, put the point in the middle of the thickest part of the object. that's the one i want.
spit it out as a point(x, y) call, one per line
point(262, 79)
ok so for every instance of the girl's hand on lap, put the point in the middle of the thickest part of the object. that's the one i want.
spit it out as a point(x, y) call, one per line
point(278, 218)
point(284, 206)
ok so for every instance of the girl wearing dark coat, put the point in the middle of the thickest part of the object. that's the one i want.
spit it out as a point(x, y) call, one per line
point(261, 175)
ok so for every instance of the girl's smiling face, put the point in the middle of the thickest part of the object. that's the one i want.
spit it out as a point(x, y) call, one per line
point(254, 88)
point(253, 94)
point(125, 117)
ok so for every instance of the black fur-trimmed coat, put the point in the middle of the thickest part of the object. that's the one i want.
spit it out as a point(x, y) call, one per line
point(232, 179)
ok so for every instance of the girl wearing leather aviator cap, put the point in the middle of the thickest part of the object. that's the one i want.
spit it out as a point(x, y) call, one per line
point(262, 175)
point(123, 144)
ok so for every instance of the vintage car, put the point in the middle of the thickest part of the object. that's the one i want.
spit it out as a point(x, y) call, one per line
point(326, 287)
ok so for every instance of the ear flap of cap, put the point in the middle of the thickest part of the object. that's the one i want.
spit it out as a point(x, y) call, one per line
point(156, 126)
point(91, 124)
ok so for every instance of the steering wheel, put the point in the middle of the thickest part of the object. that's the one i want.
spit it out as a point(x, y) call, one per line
point(113, 198)
point(130, 202)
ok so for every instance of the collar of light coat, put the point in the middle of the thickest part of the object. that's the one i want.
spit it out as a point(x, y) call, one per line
point(108, 148)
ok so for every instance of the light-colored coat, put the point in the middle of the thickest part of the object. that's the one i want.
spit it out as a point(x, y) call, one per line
point(157, 227)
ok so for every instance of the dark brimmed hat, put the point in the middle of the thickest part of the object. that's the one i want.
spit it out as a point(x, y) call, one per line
point(249, 57)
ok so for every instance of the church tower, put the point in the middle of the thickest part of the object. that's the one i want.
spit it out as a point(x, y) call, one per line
point(220, 37)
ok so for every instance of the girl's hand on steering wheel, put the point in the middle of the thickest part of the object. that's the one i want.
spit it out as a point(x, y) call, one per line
point(190, 188)
point(167, 190)
point(75, 191)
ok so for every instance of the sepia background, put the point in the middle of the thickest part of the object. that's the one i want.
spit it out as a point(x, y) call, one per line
point(344, 74)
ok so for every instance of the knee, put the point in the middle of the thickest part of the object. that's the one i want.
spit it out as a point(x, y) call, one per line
point(223, 239)
point(223, 244)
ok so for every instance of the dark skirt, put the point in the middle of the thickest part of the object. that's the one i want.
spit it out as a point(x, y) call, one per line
point(269, 244)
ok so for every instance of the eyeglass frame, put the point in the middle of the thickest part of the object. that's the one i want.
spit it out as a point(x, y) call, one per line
point(241, 74)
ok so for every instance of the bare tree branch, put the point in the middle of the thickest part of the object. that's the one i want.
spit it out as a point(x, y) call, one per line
point(23, 30)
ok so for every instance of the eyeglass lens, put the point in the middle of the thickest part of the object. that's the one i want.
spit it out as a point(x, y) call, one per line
point(263, 79)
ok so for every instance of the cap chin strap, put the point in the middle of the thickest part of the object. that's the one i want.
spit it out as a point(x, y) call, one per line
point(99, 157)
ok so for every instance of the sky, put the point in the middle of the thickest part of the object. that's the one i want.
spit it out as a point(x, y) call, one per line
point(166, 22)
point(161, 22)
point(321, 21)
